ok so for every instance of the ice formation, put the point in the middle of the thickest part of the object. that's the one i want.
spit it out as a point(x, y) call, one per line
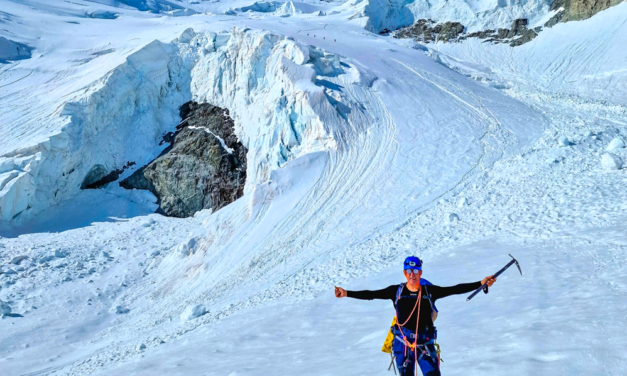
point(192, 312)
point(149, 87)
point(265, 79)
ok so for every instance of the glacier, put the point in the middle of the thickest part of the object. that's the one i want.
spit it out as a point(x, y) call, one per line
point(150, 86)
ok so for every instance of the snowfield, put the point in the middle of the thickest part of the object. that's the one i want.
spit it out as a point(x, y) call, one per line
point(362, 150)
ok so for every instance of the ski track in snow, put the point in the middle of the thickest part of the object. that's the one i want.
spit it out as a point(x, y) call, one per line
point(408, 137)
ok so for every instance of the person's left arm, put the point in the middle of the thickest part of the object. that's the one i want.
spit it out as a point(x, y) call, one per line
point(438, 292)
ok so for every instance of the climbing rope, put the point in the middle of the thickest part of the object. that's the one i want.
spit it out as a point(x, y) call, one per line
point(400, 326)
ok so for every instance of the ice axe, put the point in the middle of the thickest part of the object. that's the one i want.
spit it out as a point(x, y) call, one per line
point(485, 285)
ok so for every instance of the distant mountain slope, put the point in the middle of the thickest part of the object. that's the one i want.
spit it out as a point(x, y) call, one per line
point(154, 6)
point(378, 15)
point(475, 16)
point(575, 10)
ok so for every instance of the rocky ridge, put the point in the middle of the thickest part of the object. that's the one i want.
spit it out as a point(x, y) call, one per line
point(577, 10)
point(203, 168)
point(428, 31)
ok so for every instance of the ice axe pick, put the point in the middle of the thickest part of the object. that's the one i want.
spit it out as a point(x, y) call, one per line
point(485, 285)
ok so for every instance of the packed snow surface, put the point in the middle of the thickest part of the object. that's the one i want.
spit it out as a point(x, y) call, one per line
point(363, 149)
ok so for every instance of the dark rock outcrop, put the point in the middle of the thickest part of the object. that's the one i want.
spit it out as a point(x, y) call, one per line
point(519, 27)
point(204, 166)
point(576, 10)
point(554, 20)
point(527, 36)
point(428, 31)
point(482, 34)
point(450, 31)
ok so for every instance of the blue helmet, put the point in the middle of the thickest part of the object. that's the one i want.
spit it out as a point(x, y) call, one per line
point(412, 262)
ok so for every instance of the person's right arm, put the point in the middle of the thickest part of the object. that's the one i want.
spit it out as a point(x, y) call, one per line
point(386, 293)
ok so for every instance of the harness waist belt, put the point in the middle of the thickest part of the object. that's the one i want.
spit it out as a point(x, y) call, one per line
point(422, 335)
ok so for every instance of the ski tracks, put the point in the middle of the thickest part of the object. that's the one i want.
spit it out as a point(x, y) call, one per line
point(493, 140)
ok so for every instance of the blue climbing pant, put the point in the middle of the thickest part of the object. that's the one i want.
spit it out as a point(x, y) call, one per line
point(406, 357)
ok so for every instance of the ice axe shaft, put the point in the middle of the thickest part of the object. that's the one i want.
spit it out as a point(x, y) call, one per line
point(514, 261)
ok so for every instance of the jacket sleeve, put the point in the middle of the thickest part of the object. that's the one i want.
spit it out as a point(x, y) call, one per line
point(438, 292)
point(386, 293)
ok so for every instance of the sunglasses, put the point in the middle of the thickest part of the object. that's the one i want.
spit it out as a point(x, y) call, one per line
point(410, 271)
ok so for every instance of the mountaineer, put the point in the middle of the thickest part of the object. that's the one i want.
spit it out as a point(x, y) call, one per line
point(412, 331)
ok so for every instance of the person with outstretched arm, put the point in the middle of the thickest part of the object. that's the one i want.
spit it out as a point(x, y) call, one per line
point(414, 333)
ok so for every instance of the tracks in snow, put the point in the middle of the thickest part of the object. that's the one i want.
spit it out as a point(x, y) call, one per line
point(493, 141)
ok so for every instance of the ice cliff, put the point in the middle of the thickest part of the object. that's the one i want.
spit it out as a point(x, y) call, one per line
point(267, 82)
point(119, 119)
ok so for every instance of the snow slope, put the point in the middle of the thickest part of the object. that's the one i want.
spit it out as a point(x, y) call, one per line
point(363, 149)
point(378, 15)
point(583, 58)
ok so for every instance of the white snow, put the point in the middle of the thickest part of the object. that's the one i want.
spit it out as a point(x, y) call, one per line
point(616, 144)
point(563, 62)
point(363, 150)
point(220, 139)
point(463, 201)
point(188, 247)
point(453, 217)
point(192, 312)
point(611, 161)
point(563, 141)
